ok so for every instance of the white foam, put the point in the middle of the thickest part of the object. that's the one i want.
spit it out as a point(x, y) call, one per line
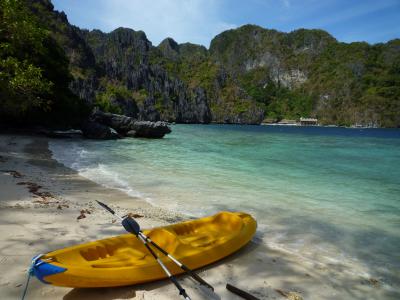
point(102, 174)
point(78, 158)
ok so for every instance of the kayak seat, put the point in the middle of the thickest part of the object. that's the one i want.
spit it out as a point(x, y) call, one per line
point(96, 253)
point(124, 257)
point(165, 238)
point(199, 240)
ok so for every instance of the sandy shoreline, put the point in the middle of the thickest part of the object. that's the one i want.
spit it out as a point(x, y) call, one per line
point(32, 223)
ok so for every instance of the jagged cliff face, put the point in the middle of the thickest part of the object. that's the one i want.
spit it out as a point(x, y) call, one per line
point(123, 58)
point(248, 74)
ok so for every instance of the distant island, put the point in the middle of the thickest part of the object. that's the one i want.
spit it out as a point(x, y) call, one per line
point(55, 73)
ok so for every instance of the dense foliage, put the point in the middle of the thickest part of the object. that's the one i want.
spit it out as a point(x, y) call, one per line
point(34, 74)
point(309, 73)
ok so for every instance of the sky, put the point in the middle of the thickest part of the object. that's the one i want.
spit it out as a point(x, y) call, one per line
point(198, 21)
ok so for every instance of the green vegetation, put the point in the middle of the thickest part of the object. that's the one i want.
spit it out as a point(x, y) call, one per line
point(112, 91)
point(343, 83)
point(248, 74)
point(140, 96)
point(34, 72)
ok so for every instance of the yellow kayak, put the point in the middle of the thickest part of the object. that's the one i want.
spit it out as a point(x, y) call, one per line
point(124, 260)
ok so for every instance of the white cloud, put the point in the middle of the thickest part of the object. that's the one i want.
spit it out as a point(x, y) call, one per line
point(196, 21)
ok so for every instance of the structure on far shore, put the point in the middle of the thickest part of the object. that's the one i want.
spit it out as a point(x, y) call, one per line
point(308, 121)
point(287, 122)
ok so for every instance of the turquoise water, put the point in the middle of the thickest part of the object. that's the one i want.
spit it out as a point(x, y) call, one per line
point(325, 194)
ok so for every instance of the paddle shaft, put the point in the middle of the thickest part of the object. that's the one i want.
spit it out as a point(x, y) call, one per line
point(138, 232)
point(170, 276)
point(181, 265)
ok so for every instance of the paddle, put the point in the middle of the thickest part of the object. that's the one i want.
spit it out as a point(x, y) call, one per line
point(240, 292)
point(133, 227)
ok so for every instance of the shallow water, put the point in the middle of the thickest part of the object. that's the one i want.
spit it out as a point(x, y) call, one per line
point(330, 195)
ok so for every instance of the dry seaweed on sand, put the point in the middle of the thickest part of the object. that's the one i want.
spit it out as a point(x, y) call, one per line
point(83, 213)
point(133, 215)
point(289, 295)
point(34, 189)
point(13, 173)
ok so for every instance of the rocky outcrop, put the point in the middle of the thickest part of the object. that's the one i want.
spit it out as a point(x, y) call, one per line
point(125, 55)
point(126, 126)
point(122, 124)
point(147, 129)
point(97, 131)
point(64, 134)
point(169, 48)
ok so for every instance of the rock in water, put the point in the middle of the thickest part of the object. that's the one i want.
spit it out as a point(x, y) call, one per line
point(129, 127)
point(95, 130)
point(147, 129)
point(122, 124)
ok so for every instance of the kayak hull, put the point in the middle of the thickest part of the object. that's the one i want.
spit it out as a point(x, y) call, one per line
point(124, 260)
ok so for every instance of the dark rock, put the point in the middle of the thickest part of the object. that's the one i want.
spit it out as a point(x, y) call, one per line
point(62, 134)
point(122, 124)
point(129, 127)
point(84, 88)
point(131, 133)
point(94, 130)
point(149, 129)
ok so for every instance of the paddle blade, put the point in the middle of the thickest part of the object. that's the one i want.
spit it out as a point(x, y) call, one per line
point(105, 206)
point(240, 292)
point(131, 225)
point(209, 293)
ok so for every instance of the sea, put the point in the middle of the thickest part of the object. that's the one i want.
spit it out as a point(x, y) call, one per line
point(324, 194)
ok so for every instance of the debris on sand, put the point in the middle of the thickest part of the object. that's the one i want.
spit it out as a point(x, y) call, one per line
point(133, 215)
point(61, 206)
point(83, 213)
point(13, 173)
point(81, 216)
point(289, 295)
point(372, 281)
point(34, 189)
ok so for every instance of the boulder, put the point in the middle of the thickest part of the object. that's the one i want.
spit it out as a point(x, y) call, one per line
point(147, 129)
point(94, 130)
point(122, 124)
point(131, 133)
point(127, 126)
point(63, 134)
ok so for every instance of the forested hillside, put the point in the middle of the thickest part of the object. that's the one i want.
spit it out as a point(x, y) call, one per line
point(247, 75)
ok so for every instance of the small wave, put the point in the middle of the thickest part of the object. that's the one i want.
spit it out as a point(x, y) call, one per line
point(80, 159)
point(102, 174)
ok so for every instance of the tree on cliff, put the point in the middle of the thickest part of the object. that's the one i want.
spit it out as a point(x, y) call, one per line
point(34, 74)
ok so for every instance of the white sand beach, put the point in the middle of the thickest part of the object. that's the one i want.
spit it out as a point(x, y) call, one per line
point(45, 219)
